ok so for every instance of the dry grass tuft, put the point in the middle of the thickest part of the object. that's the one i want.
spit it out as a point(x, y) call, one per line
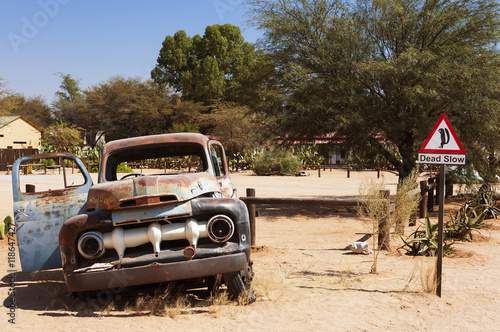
point(107, 309)
point(219, 300)
point(167, 303)
point(263, 283)
point(424, 271)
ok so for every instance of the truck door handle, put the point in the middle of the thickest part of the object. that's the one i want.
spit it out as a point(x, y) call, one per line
point(22, 213)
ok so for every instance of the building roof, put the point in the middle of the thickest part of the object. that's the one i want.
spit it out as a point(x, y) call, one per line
point(5, 120)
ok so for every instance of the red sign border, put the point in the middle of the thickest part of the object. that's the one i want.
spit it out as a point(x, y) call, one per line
point(452, 131)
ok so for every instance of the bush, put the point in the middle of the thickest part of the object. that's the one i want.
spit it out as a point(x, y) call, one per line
point(276, 161)
point(308, 155)
point(424, 242)
point(123, 168)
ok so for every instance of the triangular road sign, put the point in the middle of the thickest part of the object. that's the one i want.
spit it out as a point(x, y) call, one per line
point(442, 139)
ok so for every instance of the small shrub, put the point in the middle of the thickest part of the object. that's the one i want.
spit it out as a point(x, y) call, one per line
point(407, 200)
point(374, 211)
point(276, 161)
point(308, 155)
point(123, 168)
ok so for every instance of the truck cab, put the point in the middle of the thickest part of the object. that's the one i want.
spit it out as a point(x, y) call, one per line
point(175, 217)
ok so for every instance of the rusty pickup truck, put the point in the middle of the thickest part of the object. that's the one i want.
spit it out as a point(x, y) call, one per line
point(176, 218)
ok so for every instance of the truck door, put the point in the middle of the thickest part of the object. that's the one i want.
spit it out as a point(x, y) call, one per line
point(219, 163)
point(47, 189)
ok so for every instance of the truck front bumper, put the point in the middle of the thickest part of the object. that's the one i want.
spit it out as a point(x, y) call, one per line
point(155, 273)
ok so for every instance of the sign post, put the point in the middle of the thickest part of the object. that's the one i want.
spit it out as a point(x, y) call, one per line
point(441, 147)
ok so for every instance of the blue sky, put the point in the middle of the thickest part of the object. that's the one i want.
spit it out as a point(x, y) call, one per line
point(94, 40)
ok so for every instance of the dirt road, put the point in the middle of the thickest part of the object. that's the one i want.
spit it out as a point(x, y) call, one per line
point(306, 279)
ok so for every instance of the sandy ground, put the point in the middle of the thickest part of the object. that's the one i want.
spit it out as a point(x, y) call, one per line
point(305, 279)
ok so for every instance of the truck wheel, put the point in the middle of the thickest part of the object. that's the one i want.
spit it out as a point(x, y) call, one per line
point(237, 288)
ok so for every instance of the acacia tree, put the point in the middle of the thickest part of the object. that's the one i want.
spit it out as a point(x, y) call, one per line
point(128, 107)
point(35, 110)
point(219, 66)
point(9, 100)
point(234, 126)
point(70, 88)
point(380, 71)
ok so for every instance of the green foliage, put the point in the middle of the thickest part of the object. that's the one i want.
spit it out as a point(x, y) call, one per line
point(33, 109)
point(123, 168)
point(61, 137)
point(465, 221)
point(91, 157)
point(127, 107)
point(5, 226)
point(184, 127)
point(276, 161)
point(374, 72)
point(308, 155)
point(70, 90)
point(9, 101)
point(48, 162)
point(485, 202)
point(470, 217)
point(216, 67)
point(424, 242)
point(472, 214)
point(234, 126)
point(367, 156)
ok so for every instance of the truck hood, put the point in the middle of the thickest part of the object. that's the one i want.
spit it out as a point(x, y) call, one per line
point(150, 190)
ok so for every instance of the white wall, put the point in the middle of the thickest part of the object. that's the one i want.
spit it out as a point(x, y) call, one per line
point(20, 135)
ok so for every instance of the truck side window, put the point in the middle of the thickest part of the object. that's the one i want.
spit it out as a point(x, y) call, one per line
point(217, 160)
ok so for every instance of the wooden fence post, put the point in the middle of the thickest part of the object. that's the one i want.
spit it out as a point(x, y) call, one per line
point(423, 199)
point(430, 196)
point(30, 188)
point(251, 216)
point(383, 226)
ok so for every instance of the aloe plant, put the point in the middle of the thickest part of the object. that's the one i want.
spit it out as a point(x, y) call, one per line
point(465, 222)
point(485, 201)
point(424, 242)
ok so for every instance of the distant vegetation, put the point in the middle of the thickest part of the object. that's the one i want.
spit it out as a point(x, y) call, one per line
point(371, 76)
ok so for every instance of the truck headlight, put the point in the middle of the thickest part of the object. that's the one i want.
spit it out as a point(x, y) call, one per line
point(91, 245)
point(220, 228)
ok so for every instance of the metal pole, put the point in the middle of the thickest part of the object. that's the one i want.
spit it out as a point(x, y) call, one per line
point(439, 267)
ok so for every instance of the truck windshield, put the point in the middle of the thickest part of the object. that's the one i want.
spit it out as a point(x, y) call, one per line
point(155, 160)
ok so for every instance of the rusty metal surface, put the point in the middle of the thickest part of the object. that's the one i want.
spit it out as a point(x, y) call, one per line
point(137, 143)
point(51, 223)
point(150, 190)
point(40, 216)
point(153, 213)
point(155, 273)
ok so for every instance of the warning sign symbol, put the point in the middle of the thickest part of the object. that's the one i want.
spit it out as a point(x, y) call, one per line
point(442, 139)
